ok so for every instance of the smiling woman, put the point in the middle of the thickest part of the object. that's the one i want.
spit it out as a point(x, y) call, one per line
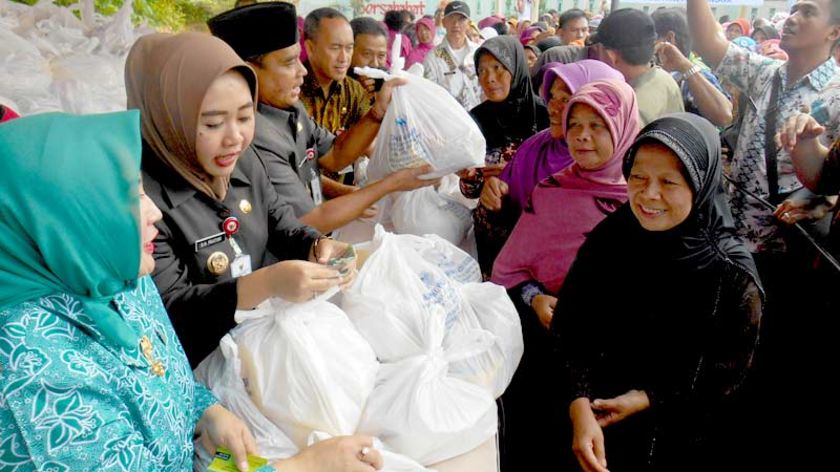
point(658, 365)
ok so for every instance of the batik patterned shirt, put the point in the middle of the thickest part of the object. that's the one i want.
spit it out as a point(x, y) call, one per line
point(753, 74)
point(341, 107)
point(71, 400)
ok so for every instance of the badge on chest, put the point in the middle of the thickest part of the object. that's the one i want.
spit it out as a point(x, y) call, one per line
point(218, 262)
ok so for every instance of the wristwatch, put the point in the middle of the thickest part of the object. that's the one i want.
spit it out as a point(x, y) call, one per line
point(694, 69)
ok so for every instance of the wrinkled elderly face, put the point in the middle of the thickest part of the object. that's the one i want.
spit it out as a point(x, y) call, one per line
point(494, 78)
point(660, 196)
point(589, 138)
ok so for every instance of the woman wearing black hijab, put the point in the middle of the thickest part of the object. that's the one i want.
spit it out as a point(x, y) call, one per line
point(511, 113)
point(658, 319)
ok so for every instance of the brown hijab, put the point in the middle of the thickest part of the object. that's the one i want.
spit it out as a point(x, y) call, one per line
point(166, 78)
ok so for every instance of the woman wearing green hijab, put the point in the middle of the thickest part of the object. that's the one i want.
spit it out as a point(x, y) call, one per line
point(92, 375)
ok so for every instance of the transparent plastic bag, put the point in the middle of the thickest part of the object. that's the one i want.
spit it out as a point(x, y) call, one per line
point(424, 124)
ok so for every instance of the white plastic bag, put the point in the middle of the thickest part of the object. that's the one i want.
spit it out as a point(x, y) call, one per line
point(425, 211)
point(419, 410)
point(454, 262)
point(407, 278)
point(221, 372)
point(386, 302)
point(307, 368)
point(469, 307)
point(424, 124)
point(487, 306)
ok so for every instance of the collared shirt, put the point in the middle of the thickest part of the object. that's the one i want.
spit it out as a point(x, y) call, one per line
point(201, 303)
point(345, 103)
point(657, 94)
point(288, 143)
point(72, 400)
point(458, 78)
point(753, 75)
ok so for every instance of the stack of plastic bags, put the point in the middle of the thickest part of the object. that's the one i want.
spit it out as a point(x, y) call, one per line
point(415, 357)
point(296, 374)
point(50, 60)
point(448, 343)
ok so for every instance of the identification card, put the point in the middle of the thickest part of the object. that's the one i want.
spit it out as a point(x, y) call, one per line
point(317, 195)
point(240, 266)
point(223, 462)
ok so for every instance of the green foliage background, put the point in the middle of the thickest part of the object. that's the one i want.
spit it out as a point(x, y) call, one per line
point(170, 15)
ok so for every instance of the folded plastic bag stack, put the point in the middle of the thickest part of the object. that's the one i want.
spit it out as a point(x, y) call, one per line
point(50, 60)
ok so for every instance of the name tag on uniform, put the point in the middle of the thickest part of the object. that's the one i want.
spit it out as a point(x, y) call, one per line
point(209, 241)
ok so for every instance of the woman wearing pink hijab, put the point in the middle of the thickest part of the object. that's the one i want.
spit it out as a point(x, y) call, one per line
point(600, 123)
point(425, 28)
point(529, 35)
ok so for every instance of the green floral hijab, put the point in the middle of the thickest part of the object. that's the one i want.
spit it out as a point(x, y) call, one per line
point(69, 212)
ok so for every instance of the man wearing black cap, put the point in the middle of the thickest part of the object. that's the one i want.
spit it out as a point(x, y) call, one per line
point(626, 39)
point(451, 64)
point(289, 144)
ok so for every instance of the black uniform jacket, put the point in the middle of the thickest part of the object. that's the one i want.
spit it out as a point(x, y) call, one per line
point(201, 304)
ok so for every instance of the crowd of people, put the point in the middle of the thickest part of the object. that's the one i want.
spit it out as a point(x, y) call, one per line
point(657, 197)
